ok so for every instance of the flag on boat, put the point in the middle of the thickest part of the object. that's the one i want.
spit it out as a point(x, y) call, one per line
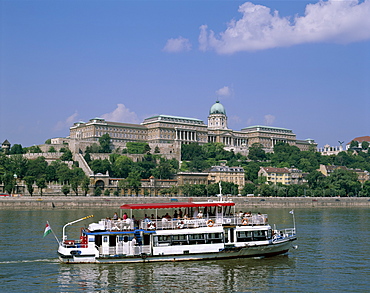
point(47, 230)
point(291, 212)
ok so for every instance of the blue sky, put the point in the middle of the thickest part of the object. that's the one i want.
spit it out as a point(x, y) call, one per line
point(302, 65)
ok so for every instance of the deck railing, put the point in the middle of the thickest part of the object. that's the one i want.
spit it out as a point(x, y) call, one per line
point(179, 223)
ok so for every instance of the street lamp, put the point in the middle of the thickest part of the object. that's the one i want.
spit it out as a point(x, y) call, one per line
point(16, 187)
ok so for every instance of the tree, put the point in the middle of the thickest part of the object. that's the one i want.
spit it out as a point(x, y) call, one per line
point(34, 149)
point(30, 180)
point(315, 179)
point(133, 181)
point(105, 143)
point(256, 152)
point(249, 188)
point(86, 185)
point(157, 150)
point(123, 184)
point(354, 144)
point(137, 147)
point(67, 156)
point(37, 167)
point(65, 189)
point(52, 149)
point(77, 178)
point(122, 166)
point(101, 166)
point(16, 149)
point(164, 170)
point(48, 141)
point(98, 191)
point(9, 182)
point(365, 145)
point(41, 184)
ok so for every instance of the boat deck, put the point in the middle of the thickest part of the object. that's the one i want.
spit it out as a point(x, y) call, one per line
point(181, 223)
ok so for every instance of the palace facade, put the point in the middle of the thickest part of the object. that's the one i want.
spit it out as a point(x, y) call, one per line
point(170, 132)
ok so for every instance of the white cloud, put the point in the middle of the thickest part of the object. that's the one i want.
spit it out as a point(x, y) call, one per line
point(224, 91)
point(326, 21)
point(177, 45)
point(269, 119)
point(121, 114)
point(66, 123)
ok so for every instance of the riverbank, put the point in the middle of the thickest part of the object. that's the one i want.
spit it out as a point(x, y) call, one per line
point(79, 202)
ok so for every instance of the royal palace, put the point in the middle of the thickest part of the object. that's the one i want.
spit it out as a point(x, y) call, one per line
point(168, 133)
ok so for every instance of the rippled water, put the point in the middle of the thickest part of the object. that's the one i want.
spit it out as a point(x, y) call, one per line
point(333, 255)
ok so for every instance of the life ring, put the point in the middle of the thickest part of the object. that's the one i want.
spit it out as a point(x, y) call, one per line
point(210, 223)
point(180, 224)
point(151, 225)
point(245, 221)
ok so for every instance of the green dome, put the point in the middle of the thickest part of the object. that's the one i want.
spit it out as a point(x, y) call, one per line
point(217, 108)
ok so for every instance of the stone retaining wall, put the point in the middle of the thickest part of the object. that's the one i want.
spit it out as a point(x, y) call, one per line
point(73, 202)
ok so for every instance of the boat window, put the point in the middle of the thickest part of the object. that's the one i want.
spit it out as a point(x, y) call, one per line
point(260, 235)
point(215, 238)
point(244, 236)
point(197, 238)
point(105, 239)
point(179, 239)
point(162, 240)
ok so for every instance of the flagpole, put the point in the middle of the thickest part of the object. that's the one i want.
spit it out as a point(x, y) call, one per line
point(292, 212)
point(53, 233)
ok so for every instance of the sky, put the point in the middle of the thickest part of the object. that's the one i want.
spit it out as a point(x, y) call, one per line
point(301, 65)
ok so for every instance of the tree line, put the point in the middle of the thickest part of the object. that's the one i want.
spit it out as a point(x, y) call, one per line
point(195, 158)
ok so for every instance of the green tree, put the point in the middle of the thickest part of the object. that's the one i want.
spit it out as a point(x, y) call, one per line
point(67, 156)
point(137, 147)
point(133, 181)
point(65, 189)
point(256, 152)
point(105, 143)
point(124, 185)
point(315, 179)
point(52, 149)
point(48, 141)
point(9, 182)
point(101, 166)
point(365, 145)
point(122, 166)
point(249, 188)
point(354, 144)
point(77, 178)
point(98, 191)
point(30, 180)
point(85, 185)
point(157, 150)
point(16, 149)
point(34, 149)
point(41, 184)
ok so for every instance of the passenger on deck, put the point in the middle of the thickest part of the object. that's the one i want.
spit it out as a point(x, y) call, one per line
point(200, 215)
point(146, 219)
point(241, 214)
point(115, 217)
point(124, 216)
point(186, 217)
point(167, 216)
point(180, 213)
point(259, 219)
point(175, 215)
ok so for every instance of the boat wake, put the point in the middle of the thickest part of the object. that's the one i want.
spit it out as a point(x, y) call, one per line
point(53, 260)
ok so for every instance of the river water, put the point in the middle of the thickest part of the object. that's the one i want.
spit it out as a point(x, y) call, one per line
point(333, 255)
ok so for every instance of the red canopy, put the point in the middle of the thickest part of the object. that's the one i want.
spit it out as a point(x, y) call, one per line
point(171, 205)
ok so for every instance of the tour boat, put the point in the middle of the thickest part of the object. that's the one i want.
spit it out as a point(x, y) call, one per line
point(199, 231)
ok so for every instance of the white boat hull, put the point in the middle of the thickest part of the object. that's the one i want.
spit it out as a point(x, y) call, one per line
point(267, 250)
